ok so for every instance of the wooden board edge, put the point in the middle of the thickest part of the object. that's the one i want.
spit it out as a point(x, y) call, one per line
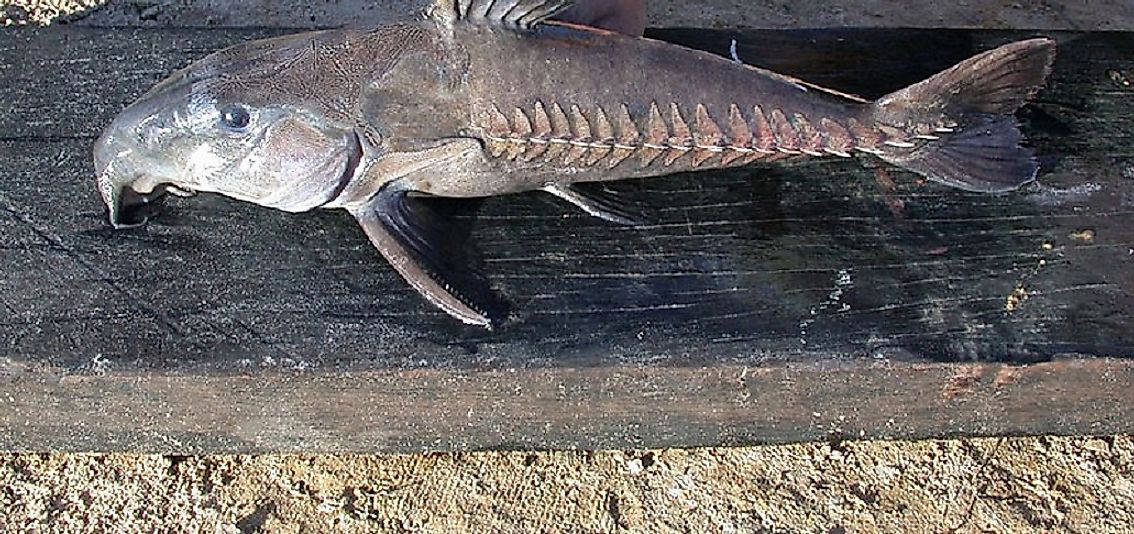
point(558, 408)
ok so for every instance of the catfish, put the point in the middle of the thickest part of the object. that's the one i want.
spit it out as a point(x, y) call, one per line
point(490, 97)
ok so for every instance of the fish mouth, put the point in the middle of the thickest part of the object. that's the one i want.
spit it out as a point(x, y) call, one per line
point(126, 206)
point(132, 209)
point(117, 172)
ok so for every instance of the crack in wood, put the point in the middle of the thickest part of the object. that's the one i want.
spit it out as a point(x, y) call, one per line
point(8, 206)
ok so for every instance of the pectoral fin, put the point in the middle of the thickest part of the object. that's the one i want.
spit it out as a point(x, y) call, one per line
point(411, 237)
point(602, 203)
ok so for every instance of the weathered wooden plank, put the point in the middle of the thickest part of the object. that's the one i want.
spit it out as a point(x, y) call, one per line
point(608, 406)
point(227, 327)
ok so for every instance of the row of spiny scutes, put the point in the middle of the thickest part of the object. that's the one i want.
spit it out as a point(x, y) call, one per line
point(550, 133)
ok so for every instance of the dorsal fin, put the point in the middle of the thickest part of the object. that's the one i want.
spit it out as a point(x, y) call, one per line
point(518, 14)
point(627, 17)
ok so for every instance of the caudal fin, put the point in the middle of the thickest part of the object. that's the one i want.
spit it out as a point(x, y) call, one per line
point(963, 119)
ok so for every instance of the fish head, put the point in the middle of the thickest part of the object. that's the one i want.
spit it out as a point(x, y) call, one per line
point(224, 125)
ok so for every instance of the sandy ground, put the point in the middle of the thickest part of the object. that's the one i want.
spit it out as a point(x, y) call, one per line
point(984, 485)
point(975, 485)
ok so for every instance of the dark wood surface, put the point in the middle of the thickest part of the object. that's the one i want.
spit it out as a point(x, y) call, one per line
point(822, 300)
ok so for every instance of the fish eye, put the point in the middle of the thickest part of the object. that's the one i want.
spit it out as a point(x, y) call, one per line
point(235, 117)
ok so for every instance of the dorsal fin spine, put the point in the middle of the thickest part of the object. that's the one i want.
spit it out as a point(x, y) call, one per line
point(522, 15)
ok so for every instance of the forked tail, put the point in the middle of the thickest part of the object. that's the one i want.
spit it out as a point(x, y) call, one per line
point(966, 116)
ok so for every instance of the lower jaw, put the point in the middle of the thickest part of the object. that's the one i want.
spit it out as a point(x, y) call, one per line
point(135, 209)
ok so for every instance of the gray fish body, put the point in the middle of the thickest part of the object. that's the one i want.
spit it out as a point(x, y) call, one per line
point(568, 104)
point(574, 105)
point(486, 97)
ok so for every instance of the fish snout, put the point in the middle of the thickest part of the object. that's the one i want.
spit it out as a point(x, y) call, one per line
point(116, 168)
point(128, 156)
